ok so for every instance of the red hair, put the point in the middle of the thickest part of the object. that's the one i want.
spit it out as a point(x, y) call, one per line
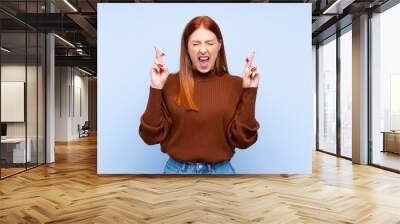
point(186, 81)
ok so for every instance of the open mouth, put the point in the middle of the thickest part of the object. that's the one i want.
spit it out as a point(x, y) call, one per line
point(203, 61)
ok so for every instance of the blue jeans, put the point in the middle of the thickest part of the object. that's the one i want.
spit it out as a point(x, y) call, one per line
point(180, 167)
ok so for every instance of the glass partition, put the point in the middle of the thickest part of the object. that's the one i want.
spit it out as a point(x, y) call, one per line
point(22, 78)
point(13, 109)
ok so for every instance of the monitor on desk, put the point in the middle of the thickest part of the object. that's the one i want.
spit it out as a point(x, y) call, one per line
point(3, 130)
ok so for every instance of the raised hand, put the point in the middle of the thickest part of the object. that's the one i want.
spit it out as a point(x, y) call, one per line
point(159, 72)
point(250, 76)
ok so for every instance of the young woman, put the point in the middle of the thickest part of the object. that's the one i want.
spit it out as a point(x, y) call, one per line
point(202, 113)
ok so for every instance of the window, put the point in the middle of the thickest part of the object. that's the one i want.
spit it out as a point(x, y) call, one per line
point(346, 93)
point(385, 88)
point(327, 96)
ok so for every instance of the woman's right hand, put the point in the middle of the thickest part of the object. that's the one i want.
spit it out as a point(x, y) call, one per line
point(159, 72)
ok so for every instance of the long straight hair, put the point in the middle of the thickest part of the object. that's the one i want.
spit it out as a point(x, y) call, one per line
point(186, 81)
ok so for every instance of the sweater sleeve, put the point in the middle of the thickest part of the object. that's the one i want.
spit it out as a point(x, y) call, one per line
point(155, 122)
point(242, 130)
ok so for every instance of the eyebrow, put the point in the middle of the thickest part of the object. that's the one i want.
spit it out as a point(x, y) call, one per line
point(197, 41)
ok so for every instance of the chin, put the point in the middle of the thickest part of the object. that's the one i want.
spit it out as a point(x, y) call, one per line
point(203, 70)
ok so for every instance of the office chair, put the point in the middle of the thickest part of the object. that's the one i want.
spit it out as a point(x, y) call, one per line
point(84, 130)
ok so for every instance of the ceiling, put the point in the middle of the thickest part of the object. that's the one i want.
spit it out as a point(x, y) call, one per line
point(76, 22)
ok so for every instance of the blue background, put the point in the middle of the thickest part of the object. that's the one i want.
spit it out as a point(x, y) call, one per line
point(279, 33)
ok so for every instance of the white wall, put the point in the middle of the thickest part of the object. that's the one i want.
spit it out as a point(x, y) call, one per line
point(70, 83)
point(80, 84)
point(12, 73)
point(33, 127)
point(62, 81)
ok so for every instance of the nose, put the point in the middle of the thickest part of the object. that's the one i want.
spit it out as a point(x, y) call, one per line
point(203, 50)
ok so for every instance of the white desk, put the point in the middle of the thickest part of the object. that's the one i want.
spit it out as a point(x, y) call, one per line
point(19, 149)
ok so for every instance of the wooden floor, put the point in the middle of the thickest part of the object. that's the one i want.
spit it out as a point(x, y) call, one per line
point(5, 172)
point(70, 191)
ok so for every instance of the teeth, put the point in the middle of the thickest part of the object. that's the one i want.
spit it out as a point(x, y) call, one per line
point(203, 58)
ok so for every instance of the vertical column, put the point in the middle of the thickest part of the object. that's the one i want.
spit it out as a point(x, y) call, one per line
point(314, 63)
point(50, 92)
point(360, 90)
point(338, 98)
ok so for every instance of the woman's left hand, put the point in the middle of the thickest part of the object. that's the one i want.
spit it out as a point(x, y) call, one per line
point(250, 76)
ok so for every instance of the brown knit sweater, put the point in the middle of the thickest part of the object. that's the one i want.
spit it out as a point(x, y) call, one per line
point(225, 120)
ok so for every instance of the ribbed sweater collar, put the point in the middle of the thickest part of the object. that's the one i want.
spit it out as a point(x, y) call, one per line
point(211, 75)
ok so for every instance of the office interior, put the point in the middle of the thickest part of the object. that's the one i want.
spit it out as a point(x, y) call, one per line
point(49, 72)
point(47, 81)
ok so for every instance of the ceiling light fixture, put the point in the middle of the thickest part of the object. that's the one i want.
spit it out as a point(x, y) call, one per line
point(337, 7)
point(5, 49)
point(64, 40)
point(84, 71)
point(70, 5)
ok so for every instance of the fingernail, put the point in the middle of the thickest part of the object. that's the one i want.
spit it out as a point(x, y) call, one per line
point(160, 65)
point(247, 60)
point(253, 69)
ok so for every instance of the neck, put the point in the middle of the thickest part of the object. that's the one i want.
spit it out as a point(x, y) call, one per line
point(197, 75)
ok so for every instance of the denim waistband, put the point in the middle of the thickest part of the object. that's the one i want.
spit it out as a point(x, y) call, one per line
point(203, 163)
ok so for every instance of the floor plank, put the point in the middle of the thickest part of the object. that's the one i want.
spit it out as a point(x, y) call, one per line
point(70, 191)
